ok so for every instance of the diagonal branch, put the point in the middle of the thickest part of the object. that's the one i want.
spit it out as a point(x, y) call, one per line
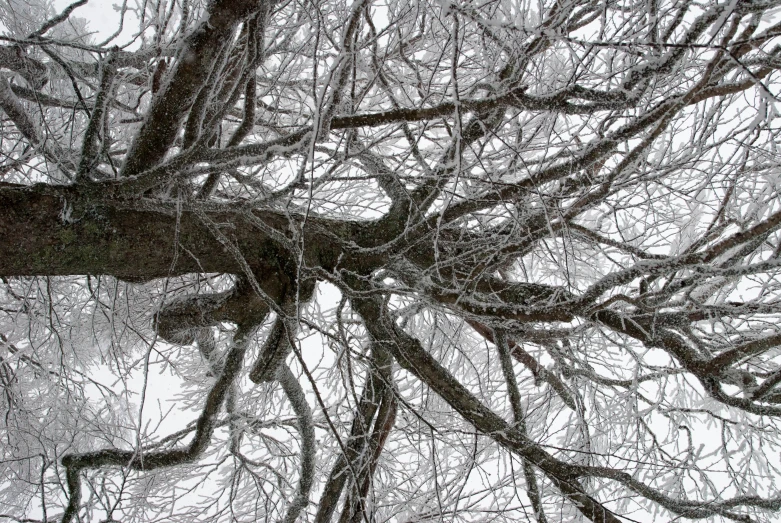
point(411, 356)
point(57, 19)
point(193, 64)
point(12, 107)
point(519, 417)
point(538, 370)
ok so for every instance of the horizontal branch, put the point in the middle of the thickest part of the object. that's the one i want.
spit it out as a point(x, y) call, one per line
point(57, 230)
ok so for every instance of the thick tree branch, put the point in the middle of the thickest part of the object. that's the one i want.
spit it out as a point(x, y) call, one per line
point(306, 429)
point(193, 63)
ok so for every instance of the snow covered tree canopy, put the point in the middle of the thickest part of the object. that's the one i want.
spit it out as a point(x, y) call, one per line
point(400, 260)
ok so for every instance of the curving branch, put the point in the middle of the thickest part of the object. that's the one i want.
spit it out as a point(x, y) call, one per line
point(144, 461)
point(35, 72)
point(306, 428)
point(53, 22)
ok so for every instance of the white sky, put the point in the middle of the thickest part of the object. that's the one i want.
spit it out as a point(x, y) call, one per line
point(103, 19)
point(103, 16)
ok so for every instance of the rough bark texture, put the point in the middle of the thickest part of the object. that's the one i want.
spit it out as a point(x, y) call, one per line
point(470, 179)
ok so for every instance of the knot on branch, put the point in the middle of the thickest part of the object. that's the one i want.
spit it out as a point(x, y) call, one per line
point(186, 319)
point(183, 319)
point(180, 318)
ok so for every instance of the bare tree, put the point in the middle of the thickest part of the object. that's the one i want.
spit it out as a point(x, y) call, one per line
point(391, 261)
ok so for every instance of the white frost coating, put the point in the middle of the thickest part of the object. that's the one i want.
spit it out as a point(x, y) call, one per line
point(623, 188)
point(66, 215)
point(727, 10)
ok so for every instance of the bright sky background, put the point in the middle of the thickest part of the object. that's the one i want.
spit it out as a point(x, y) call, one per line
point(103, 16)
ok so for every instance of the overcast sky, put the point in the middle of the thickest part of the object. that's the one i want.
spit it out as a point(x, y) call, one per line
point(103, 16)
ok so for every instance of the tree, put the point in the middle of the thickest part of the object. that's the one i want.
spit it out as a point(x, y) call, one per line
point(401, 260)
